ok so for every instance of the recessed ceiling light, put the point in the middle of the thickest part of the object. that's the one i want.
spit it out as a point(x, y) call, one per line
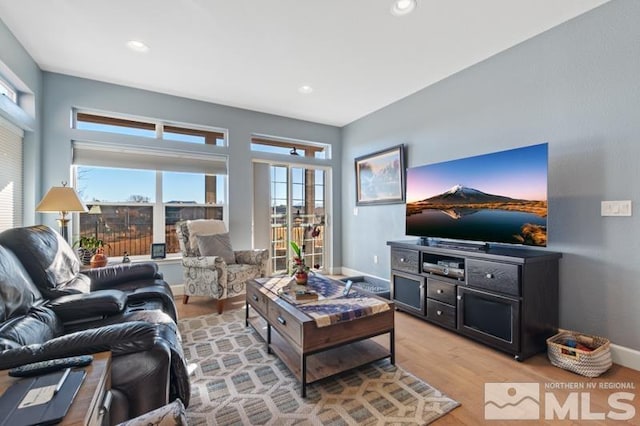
point(137, 46)
point(403, 7)
point(305, 90)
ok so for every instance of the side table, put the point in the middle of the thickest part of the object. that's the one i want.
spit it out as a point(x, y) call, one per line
point(91, 404)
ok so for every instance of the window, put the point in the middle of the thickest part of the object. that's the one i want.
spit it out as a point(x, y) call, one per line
point(149, 129)
point(10, 175)
point(290, 147)
point(7, 90)
point(136, 191)
point(122, 205)
point(182, 134)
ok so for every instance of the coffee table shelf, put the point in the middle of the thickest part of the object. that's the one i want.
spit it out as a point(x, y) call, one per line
point(326, 363)
point(313, 353)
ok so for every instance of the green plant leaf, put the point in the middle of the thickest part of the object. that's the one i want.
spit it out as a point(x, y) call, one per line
point(295, 248)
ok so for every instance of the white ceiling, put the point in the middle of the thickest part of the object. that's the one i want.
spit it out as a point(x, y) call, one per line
point(255, 54)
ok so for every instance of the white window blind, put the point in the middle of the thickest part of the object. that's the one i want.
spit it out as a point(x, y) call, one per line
point(165, 158)
point(10, 175)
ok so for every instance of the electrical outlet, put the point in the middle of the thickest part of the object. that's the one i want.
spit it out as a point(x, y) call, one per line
point(355, 211)
point(615, 208)
point(375, 258)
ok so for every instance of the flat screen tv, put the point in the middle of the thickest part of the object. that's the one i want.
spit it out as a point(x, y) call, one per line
point(493, 198)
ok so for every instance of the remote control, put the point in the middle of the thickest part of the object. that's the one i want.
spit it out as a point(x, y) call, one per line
point(347, 288)
point(43, 367)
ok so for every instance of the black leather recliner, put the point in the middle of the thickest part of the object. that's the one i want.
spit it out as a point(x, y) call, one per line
point(55, 269)
point(114, 309)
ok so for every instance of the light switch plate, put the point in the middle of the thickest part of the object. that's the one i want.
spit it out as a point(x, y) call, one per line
point(615, 208)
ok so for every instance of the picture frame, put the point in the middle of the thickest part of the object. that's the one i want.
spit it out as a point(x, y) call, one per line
point(380, 177)
point(158, 250)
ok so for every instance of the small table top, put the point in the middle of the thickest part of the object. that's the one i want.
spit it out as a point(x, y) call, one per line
point(332, 306)
point(98, 379)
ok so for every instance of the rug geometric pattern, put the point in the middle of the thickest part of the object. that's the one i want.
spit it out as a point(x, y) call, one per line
point(237, 382)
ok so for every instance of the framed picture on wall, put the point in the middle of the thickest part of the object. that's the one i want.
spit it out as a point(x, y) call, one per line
point(158, 251)
point(380, 177)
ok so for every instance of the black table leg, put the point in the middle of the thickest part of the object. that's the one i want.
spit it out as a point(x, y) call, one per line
point(268, 338)
point(303, 391)
point(392, 347)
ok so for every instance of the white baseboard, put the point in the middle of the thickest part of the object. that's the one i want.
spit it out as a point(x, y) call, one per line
point(177, 289)
point(352, 272)
point(626, 357)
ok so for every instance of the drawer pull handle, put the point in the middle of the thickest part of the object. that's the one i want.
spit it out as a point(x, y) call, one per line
point(489, 276)
point(438, 313)
point(439, 291)
point(255, 298)
point(106, 403)
point(402, 260)
point(282, 320)
point(459, 297)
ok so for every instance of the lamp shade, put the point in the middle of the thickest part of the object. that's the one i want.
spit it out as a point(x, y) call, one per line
point(61, 199)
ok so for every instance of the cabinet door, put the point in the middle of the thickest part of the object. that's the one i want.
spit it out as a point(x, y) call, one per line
point(489, 318)
point(408, 292)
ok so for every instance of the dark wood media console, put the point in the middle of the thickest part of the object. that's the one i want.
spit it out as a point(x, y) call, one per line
point(504, 297)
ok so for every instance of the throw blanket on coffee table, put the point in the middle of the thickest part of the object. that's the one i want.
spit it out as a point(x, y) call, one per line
point(331, 307)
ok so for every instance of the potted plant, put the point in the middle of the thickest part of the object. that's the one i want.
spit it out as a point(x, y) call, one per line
point(300, 269)
point(87, 247)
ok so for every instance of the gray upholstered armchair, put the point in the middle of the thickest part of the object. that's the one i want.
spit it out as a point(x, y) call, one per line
point(210, 274)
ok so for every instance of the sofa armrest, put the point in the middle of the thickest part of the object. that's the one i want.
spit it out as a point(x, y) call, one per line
point(106, 277)
point(147, 361)
point(88, 306)
point(205, 262)
point(258, 257)
point(120, 339)
point(253, 257)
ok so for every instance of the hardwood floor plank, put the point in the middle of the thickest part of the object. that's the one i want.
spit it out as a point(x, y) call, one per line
point(460, 367)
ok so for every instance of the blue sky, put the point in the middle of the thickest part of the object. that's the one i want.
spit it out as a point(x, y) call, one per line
point(516, 173)
point(117, 185)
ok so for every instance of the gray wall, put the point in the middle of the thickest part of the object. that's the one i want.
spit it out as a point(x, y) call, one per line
point(15, 62)
point(576, 86)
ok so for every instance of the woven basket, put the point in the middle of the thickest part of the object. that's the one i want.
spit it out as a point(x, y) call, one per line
point(586, 363)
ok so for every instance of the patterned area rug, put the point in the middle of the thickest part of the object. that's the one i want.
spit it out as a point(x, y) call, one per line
point(237, 383)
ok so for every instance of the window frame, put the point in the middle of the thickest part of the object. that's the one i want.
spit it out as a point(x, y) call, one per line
point(145, 123)
point(9, 91)
point(129, 141)
point(306, 146)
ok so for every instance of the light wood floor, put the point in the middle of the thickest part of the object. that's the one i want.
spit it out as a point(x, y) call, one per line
point(460, 367)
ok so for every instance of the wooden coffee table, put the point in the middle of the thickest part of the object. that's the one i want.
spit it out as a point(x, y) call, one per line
point(87, 406)
point(313, 353)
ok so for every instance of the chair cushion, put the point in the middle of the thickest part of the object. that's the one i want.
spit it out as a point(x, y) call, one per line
point(203, 227)
point(217, 245)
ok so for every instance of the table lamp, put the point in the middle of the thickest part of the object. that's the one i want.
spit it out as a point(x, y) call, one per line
point(63, 199)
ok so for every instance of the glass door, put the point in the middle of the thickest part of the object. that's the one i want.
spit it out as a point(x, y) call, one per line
point(298, 201)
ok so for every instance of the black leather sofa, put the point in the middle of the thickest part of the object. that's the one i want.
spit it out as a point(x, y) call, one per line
point(50, 309)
